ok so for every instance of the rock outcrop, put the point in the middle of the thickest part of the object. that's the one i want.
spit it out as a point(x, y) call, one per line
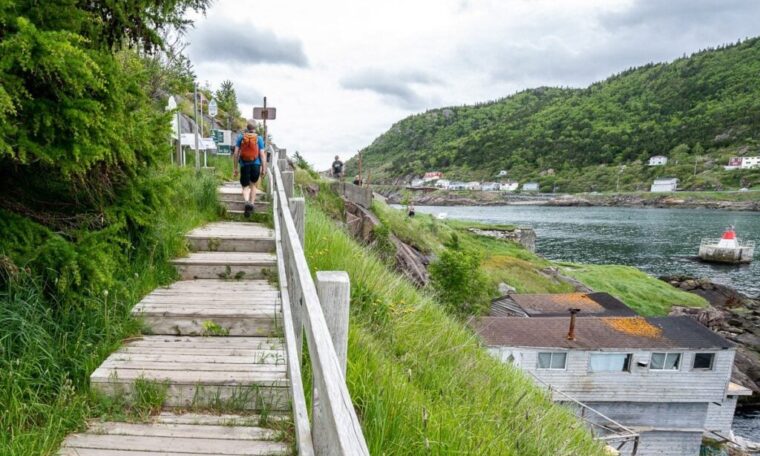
point(361, 223)
point(732, 315)
point(526, 237)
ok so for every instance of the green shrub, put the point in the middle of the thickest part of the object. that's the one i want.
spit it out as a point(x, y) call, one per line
point(458, 280)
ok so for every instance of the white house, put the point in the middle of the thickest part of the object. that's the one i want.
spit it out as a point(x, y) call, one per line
point(472, 185)
point(417, 182)
point(442, 183)
point(490, 187)
point(658, 160)
point(750, 162)
point(743, 163)
point(502, 173)
point(530, 187)
point(509, 186)
point(668, 184)
point(432, 176)
point(667, 378)
point(456, 185)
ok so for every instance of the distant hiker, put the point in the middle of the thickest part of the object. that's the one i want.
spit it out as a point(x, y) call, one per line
point(358, 181)
point(337, 168)
point(249, 154)
point(410, 209)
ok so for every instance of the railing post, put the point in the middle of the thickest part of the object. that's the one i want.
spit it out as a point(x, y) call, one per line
point(288, 183)
point(334, 292)
point(298, 211)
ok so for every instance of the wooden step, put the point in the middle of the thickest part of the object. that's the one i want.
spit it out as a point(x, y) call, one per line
point(170, 434)
point(232, 372)
point(248, 308)
point(226, 265)
point(236, 193)
point(260, 206)
point(232, 237)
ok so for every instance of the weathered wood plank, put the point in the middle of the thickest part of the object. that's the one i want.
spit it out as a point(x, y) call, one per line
point(174, 444)
point(209, 431)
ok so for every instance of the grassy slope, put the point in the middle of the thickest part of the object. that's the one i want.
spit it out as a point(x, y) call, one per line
point(50, 343)
point(510, 263)
point(421, 383)
point(643, 293)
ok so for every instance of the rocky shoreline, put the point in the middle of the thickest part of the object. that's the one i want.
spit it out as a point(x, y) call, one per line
point(733, 315)
point(446, 198)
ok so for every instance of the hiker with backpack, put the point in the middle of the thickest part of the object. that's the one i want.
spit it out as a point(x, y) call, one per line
point(249, 154)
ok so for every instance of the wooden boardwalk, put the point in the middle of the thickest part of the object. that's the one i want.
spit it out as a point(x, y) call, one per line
point(229, 338)
point(214, 339)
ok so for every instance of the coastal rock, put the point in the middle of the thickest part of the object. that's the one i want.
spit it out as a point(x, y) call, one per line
point(505, 289)
point(732, 315)
point(526, 237)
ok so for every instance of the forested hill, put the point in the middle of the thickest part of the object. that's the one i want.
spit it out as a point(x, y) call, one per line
point(705, 106)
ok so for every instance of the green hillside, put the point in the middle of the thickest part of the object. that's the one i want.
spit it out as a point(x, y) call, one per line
point(699, 110)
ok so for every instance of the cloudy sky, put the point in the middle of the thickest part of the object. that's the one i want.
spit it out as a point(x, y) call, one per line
point(341, 72)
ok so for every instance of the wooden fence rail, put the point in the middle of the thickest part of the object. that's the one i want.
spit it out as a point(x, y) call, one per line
point(335, 428)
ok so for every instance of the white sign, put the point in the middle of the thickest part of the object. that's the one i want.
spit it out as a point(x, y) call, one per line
point(212, 108)
point(171, 106)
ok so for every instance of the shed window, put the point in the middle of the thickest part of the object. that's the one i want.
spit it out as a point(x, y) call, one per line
point(552, 360)
point(704, 361)
point(610, 362)
point(665, 361)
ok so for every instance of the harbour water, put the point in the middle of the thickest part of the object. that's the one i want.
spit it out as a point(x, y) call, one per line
point(658, 241)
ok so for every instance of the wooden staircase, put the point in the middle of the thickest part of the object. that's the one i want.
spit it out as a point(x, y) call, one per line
point(213, 341)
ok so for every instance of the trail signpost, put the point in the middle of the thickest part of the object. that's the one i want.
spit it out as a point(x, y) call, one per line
point(265, 113)
point(212, 108)
point(172, 106)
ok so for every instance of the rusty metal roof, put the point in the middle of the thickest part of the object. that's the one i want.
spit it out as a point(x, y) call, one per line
point(592, 333)
point(553, 305)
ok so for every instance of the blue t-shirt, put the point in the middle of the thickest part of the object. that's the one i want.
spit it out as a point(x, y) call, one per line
point(261, 148)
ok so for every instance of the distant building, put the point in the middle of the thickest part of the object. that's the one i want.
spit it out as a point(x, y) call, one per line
point(502, 173)
point(456, 185)
point(472, 185)
point(658, 160)
point(530, 187)
point(442, 183)
point(734, 163)
point(490, 187)
point(743, 163)
point(509, 186)
point(668, 184)
point(666, 378)
point(432, 176)
point(750, 162)
point(416, 182)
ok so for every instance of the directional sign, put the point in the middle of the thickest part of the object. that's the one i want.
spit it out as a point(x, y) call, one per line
point(265, 113)
point(212, 108)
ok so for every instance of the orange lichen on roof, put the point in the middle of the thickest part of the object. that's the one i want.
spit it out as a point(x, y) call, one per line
point(576, 300)
point(636, 326)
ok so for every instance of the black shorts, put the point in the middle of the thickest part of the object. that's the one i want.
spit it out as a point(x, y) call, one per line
point(249, 174)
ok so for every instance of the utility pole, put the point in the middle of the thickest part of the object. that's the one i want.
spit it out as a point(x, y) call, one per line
point(696, 159)
point(197, 145)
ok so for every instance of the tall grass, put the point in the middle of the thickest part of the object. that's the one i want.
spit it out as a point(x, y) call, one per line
point(52, 338)
point(419, 379)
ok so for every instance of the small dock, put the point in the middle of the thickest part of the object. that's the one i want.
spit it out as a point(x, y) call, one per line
point(224, 345)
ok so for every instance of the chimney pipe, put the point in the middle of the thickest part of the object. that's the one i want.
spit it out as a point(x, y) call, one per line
point(571, 332)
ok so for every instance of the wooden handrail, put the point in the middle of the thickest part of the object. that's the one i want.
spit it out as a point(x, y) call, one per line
point(340, 430)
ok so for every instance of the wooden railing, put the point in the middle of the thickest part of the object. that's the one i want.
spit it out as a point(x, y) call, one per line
point(334, 428)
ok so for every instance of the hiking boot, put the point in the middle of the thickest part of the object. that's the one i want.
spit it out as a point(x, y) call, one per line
point(248, 210)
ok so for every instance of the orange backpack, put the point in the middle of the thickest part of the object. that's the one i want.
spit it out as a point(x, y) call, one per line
point(249, 147)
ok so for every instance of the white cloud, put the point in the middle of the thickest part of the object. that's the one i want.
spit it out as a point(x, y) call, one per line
point(341, 72)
